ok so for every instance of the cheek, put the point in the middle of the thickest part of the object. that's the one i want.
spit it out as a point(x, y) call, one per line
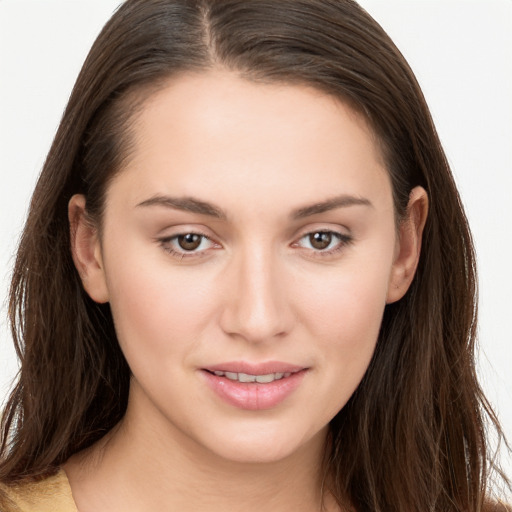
point(344, 315)
point(348, 305)
point(346, 332)
point(156, 309)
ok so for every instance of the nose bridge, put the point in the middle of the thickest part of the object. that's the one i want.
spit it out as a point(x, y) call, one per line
point(257, 308)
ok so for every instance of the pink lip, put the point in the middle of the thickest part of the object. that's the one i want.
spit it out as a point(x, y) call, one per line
point(255, 368)
point(253, 395)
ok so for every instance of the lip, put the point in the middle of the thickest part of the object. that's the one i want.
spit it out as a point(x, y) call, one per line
point(254, 396)
point(255, 368)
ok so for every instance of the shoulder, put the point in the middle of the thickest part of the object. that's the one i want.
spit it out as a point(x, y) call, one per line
point(52, 494)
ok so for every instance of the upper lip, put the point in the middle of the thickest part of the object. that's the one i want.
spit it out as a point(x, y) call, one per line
point(255, 368)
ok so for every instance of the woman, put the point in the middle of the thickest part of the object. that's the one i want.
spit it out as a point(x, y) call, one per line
point(246, 278)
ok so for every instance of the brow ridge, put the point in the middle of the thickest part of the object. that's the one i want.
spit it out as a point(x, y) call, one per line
point(188, 204)
point(191, 204)
point(341, 201)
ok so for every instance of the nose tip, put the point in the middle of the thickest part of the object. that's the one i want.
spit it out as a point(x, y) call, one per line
point(255, 328)
point(257, 307)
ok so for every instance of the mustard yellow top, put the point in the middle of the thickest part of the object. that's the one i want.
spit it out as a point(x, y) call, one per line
point(50, 495)
point(53, 494)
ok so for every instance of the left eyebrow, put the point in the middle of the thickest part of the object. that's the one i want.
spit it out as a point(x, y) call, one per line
point(331, 204)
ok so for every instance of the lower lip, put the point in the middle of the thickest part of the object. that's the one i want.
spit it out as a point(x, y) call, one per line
point(254, 396)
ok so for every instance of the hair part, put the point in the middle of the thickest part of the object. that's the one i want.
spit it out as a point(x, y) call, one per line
point(413, 435)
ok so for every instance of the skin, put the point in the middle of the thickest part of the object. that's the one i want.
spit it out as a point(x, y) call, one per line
point(256, 290)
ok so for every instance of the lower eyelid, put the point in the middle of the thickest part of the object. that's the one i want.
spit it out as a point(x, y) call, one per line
point(343, 241)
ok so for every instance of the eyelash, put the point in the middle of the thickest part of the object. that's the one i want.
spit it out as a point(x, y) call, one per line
point(343, 240)
point(166, 243)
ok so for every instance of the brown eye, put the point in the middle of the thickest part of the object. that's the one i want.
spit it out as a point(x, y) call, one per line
point(320, 240)
point(190, 241)
point(324, 243)
point(188, 245)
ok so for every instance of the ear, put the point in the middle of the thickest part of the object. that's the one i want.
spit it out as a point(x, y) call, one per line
point(86, 250)
point(408, 245)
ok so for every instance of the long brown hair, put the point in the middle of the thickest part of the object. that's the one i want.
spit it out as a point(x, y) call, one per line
point(413, 435)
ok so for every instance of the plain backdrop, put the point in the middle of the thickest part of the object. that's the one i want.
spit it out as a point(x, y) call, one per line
point(461, 52)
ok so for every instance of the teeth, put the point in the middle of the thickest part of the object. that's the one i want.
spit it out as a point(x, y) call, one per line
point(245, 377)
point(265, 379)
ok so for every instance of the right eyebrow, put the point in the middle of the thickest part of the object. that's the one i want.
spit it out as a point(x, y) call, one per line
point(187, 204)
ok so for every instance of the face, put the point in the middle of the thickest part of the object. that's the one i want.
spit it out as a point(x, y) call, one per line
point(248, 251)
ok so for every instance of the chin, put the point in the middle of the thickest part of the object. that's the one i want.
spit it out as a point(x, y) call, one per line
point(267, 445)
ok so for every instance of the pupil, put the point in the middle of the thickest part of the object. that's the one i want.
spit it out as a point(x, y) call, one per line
point(320, 240)
point(189, 242)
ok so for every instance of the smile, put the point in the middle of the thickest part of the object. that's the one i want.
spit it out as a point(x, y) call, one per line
point(245, 377)
point(254, 386)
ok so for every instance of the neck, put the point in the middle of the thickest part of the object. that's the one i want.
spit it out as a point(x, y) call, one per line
point(146, 464)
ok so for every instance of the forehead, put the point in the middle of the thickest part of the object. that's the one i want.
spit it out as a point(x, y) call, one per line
point(206, 134)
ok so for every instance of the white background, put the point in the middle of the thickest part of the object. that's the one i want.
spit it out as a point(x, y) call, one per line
point(461, 52)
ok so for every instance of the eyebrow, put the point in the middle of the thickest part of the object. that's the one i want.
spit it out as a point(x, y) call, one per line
point(331, 204)
point(187, 204)
point(190, 204)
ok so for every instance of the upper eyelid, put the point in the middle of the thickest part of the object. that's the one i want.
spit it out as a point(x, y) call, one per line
point(332, 231)
point(343, 237)
point(301, 234)
point(171, 232)
point(182, 233)
point(342, 231)
point(183, 229)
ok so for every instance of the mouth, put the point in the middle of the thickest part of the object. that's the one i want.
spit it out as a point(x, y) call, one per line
point(254, 387)
point(246, 377)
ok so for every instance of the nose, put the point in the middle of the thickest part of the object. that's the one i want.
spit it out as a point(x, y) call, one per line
point(257, 302)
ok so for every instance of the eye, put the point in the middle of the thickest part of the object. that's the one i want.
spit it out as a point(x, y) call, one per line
point(187, 244)
point(324, 241)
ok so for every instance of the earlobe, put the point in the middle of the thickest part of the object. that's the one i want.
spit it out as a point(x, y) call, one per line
point(86, 250)
point(408, 245)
